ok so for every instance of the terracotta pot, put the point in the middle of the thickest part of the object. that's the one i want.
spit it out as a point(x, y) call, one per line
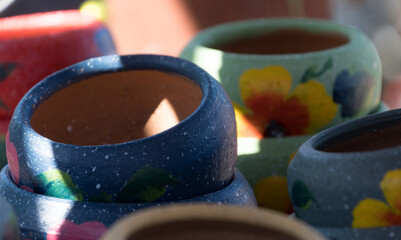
point(138, 128)
point(352, 173)
point(202, 221)
point(8, 222)
point(36, 45)
point(44, 217)
point(290, 76)
point(264, 163)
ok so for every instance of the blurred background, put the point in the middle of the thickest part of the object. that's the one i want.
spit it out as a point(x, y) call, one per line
point(165, 27)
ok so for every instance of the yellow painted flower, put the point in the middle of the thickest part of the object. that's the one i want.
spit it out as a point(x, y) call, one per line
point(272, 192)
point(371, 212)
point(275, 110)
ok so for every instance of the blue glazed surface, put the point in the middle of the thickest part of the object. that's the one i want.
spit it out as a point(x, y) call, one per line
point(31, 207)
point(8, 222)
point(202, 148)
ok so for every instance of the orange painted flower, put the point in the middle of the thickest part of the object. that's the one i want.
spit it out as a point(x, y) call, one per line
point(371, 212)
point(274, 109)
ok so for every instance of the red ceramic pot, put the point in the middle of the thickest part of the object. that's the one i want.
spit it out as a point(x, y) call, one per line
point(36, 45)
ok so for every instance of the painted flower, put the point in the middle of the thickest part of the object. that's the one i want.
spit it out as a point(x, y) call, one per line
point(371, 212)
point(276, 110)
point(12, 159)
point(272, 192)
point(353, 92)
point(68, 230)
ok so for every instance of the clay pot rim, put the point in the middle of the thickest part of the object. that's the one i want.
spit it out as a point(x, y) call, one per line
point(156, 216)
point(111, 64)
point(38, 24)
point(5, 178)
point(210, 34)
point(349, 129)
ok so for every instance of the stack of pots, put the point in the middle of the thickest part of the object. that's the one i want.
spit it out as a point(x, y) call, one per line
point(288, 79)
point(105, 137)
point(35, 45)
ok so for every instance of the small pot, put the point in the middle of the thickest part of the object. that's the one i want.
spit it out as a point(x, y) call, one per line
point(202, 221)
point(42, 217)
point(8, 222)
point(138, 128)
point(289, 76)
point(352, 173)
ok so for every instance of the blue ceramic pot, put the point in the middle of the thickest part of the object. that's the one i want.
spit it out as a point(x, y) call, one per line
point(8, 222)
point(193, 157)
point(42, 216)
point(346, 180)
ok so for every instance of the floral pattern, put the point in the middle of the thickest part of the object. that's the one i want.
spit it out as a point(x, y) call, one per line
point(68, 230)
point(57, 183)
point(371, 212)
point(353, 91)
point(276, 110)
point(146, 185)
point(272, 192)
point(12, 159)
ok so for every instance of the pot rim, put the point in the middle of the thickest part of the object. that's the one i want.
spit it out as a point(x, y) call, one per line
point(111, 64)
point(156, 216)
point(34, 25)
point(349, 129)
point(210, 34)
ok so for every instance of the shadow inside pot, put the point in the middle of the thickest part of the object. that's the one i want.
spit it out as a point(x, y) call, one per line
point(116, 107)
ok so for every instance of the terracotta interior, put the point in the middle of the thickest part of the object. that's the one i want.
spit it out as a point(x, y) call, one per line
point(284, 41)
point(372, 140)
point(116, 107)
point(210, 230)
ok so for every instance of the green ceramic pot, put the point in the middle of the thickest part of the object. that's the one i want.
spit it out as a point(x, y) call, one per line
point(280, 84)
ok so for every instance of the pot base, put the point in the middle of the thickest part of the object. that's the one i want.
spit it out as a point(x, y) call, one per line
point(40, 216)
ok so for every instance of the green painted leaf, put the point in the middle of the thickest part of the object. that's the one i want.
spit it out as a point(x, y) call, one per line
point(312, 72)
point(301, 195)
point(146, 185)
point(6, 69)
point(101, 198)
point(57, 183)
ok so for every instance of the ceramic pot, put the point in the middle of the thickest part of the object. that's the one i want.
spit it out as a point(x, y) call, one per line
point(42, 217)
point(138, 128)
point(290, 76)
point(352, 173)
point(202, 221)
point(26, 39)
point(8, 222)
point(264, 163)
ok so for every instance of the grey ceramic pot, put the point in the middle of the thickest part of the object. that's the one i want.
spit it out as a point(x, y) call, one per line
point(8, 222)
point(345, 180)
point(42, 217)
point(78, 133)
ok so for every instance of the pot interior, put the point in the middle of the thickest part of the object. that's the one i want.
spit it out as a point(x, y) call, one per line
point(283, 41)
point(368, 139)
point(203, 229)
point(117, 107)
